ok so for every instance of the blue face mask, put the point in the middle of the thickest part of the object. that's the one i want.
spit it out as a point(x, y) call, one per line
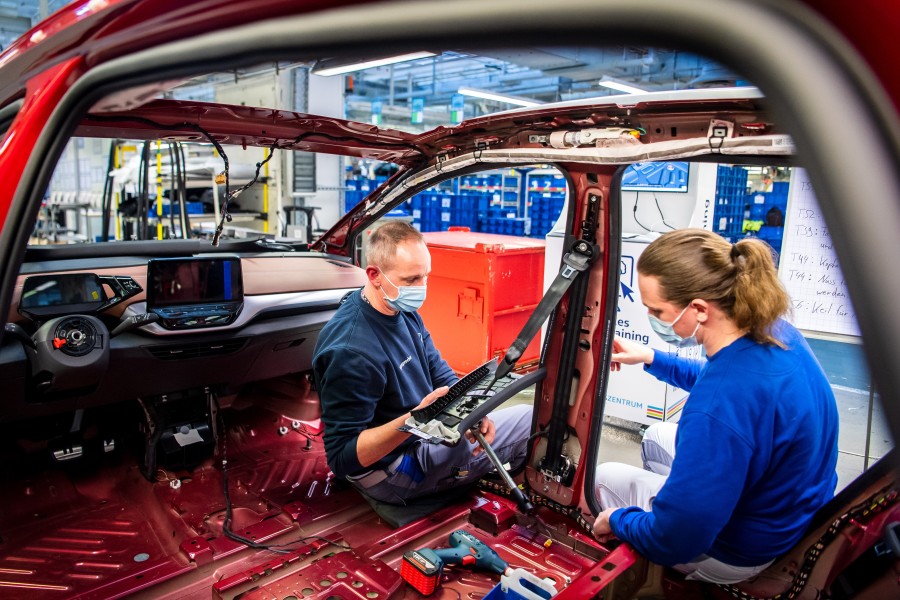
point(666, 331)
point(409, 297)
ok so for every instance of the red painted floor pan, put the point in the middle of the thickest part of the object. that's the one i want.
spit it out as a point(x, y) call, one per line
point(102, 530)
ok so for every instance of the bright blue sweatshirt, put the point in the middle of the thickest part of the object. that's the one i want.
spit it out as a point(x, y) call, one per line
point(755, 455)
point(370, 368)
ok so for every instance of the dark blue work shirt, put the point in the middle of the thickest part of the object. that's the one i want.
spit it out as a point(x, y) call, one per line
point(371, 368)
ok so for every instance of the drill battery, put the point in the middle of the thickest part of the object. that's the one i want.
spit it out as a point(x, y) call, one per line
point(422, 570)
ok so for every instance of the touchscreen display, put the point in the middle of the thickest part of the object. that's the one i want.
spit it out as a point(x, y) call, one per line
point(183, 281)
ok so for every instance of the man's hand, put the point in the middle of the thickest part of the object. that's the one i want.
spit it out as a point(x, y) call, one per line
point(602, 530)
point(488, 430)
point(375, 443)
point(629, 353)
point(441, 391)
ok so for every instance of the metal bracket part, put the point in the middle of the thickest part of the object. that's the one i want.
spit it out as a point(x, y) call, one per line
point(719, 131)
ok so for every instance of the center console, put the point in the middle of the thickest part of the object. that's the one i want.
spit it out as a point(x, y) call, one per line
point(195, 292)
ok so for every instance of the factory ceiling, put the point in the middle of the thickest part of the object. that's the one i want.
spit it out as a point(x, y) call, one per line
point(540, 74)
point(433, 84)
point(18, 16)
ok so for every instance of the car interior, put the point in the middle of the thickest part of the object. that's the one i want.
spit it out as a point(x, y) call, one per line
point(161, 432)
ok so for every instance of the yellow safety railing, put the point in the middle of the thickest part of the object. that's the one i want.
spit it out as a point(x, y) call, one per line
point(159, 191)
point(265, 192)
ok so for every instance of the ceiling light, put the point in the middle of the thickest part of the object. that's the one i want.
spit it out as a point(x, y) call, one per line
point(517, 100)
point(621, 87)
point(368, 64)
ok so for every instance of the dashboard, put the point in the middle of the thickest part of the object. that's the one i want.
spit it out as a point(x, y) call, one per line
point(94, 332)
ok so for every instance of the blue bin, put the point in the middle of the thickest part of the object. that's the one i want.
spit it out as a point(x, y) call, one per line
point(772, 234)
point(781, 188)
point(758, 212)
point(193, 208)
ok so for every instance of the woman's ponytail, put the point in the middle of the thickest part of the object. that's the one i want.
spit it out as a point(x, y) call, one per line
point(759, 297)
point(740, 278)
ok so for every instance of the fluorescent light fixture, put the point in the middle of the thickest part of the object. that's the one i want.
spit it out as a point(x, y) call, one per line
point(621, 87)
point(370, 64)
point(517, 100)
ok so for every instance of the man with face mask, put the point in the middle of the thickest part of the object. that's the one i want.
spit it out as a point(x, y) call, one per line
point(375, 362)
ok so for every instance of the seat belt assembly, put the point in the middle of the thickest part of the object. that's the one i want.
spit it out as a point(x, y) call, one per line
point(470, 399)
point(577, 260)
point(555, 464)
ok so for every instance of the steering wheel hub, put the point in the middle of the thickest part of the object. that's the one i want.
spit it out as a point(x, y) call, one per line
point(75, 336)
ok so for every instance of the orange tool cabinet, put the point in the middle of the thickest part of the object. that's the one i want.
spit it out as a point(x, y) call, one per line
point(482, 289)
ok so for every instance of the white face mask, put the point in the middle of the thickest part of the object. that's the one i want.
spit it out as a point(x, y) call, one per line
point(409, 297)
point(666, 331)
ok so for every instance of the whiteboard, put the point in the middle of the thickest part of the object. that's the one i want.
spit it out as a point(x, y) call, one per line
point(809, 267)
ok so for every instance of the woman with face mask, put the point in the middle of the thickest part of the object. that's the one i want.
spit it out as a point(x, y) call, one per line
point(752, 458)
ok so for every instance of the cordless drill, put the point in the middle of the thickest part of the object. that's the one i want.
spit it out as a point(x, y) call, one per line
point(422, 568)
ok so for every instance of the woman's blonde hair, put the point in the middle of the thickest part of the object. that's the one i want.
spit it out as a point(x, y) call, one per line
point(740, 278)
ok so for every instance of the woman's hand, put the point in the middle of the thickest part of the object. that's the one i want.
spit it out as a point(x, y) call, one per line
point(626, 352)
point(602, 530)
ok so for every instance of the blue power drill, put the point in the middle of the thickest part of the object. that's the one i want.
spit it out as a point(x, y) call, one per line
point(422, 568)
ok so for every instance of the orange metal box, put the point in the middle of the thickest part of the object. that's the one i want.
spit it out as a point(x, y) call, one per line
point(482, 289)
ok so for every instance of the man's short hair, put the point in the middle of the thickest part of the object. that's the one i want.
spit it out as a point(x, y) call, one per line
point(382, 245)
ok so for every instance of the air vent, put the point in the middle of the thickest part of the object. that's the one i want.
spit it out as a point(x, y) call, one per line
point(196, 349)
point(343, 265)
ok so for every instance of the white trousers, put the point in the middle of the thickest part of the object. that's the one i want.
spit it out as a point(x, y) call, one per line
point(620, 485)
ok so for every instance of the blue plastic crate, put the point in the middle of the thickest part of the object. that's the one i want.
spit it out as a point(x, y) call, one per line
point(779, 201)
point(425, 226)
point(352, 198)
point(728, 225)
point(772, 234)
point(539, 230)
point(781, 187)
point(520, 226)
point(193, 208)
point(757, 212)
point(731, 182)
point(466, 217)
